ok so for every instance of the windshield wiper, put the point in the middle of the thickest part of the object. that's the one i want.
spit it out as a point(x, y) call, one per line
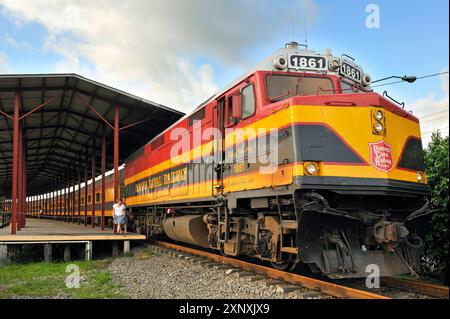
point(300, 79)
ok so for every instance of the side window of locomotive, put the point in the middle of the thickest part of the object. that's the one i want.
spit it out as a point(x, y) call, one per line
point(248, 101)
point(230, 120)
point(197, 116)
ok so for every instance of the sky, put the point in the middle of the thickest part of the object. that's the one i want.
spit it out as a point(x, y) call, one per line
point(179, 53)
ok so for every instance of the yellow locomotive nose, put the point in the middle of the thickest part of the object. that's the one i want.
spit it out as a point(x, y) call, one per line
point(362, 144)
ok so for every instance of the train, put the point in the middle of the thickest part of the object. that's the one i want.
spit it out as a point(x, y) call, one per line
point(296, 163)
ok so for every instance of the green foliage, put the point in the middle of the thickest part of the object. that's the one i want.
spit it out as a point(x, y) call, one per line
point(436, 242)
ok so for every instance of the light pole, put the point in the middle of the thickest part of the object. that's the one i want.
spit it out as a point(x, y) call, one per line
point(409, 79)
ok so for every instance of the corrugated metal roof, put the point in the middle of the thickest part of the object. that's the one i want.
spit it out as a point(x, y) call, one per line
point(59, 133)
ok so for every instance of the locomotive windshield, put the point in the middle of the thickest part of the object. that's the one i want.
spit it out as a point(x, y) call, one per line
point(282, 86)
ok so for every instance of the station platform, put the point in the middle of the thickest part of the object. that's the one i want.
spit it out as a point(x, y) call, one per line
point(53, 234)
point(50, 230)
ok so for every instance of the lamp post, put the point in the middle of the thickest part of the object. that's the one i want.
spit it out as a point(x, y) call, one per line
point(406, 78)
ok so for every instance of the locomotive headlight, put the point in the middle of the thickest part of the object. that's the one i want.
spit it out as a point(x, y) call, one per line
point(334, 65)
point(379, 115)
point(311, 168)
point(379, 127)
point(366, 79)
point(419, 177)
point(280, 62)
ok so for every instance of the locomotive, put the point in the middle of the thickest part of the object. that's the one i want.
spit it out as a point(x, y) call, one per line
point(297, 162)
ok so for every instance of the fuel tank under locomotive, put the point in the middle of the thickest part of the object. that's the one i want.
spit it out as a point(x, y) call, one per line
point(188, 229)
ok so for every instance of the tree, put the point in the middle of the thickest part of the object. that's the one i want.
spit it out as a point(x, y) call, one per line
point(437, 169)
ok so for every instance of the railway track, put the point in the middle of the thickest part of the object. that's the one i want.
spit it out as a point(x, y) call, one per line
point(419, 287)
point(391, 286)
point(337, 291)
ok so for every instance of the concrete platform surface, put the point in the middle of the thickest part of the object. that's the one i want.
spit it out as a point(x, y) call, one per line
point(49, 230)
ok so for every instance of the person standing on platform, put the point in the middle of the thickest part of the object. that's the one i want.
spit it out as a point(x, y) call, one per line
point(119, 216)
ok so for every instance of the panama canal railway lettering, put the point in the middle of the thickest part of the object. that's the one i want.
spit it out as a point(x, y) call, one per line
point(177, 176)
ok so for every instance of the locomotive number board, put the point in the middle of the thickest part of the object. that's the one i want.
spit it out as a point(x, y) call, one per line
point(350, 72)
point(307, 62)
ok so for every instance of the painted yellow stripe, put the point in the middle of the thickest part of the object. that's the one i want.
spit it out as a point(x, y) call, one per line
point(191, 191)
point(352, 123)
point(254, 180)
point(108, 213)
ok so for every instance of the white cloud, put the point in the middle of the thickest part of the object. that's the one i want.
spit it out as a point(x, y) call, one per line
point(152, 48)
point(433, 112)
point(14, 43)
point(3, 63)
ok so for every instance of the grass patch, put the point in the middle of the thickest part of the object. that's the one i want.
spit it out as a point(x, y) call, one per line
point(47, 280)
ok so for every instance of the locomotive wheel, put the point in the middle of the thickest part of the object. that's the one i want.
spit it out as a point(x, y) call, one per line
point(287, 263)
point(282, 265)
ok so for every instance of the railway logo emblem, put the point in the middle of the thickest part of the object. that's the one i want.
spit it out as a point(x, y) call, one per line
point(381, 156)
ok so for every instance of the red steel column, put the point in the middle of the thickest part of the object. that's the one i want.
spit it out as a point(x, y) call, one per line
point(85, 188)
point(103, 179)
point(69, 212)
point(116, 153)
point(20, 182)
point(24, 183)
point(64, 198)
point(73, 195)
point(79, 189)
point(15, 164)
point(58, 203)
point(93, 184)
point(53, 199)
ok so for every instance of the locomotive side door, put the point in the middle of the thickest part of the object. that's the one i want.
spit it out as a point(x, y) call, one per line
point(240, 140)
point(218, 146)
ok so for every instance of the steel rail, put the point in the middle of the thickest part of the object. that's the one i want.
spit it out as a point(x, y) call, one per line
point(306, 282)
point(417, 286)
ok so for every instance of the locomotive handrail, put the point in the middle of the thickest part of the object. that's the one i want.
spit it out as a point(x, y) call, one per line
point(346, 55)
point(343, 103)
point(385, 94)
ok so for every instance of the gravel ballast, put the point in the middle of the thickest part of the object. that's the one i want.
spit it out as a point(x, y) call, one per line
point(170, 276)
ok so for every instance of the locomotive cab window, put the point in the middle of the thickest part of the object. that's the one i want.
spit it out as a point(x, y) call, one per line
point(281, 86)
point(97, 197)
point(248, 101)
point(230, 119)
point(197, 116)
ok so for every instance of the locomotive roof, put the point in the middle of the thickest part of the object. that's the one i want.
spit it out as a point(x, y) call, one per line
point(290, 49)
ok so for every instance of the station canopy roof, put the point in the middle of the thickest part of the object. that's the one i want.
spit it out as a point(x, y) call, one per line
point(59, 132)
